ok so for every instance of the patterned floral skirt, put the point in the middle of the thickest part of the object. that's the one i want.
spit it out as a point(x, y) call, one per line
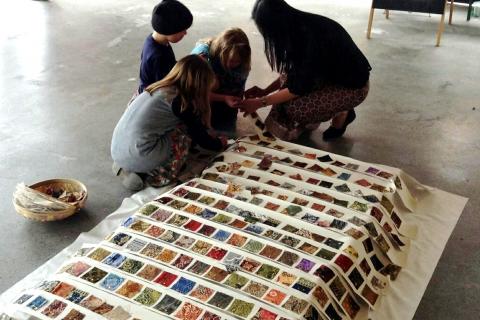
point(169, 171)
point(286, 121)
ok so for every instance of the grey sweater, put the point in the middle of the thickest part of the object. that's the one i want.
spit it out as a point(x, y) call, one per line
point(139, 142)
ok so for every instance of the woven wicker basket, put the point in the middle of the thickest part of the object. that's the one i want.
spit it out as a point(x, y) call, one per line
point(70, 185)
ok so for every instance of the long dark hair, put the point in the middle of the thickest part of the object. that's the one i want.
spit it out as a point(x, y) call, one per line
point(283, 31)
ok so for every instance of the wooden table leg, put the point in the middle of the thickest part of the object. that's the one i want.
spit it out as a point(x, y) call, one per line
point(452, 3)
point(370, 21)
point(441, 26)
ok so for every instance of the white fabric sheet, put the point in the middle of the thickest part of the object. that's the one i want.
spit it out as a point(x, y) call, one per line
point(436, 216)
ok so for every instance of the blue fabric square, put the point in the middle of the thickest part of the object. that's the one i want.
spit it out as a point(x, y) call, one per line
point(128, 222)
point(183, 285)
point(344, 176)
point(222, 235)
point(112, 282)
point(77, 295)
point(371, 198)
point(299, 287)
point(120, 239)
point(207, 214)
point(114, 260)
point(37, 303)
point(255, 229)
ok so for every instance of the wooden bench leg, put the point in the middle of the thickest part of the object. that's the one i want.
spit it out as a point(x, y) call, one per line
point(441, 26)
point(387, 14)
point(370, 21)
point(452, 4)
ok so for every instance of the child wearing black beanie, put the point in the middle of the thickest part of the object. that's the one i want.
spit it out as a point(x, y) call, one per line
point(170, 21)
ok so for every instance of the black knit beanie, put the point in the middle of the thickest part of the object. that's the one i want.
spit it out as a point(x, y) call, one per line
point(170, 17)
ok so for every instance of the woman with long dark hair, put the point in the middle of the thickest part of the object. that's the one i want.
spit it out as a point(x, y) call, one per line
point(323, 74)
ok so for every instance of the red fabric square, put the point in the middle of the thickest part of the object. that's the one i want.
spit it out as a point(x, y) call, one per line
point(166, 279)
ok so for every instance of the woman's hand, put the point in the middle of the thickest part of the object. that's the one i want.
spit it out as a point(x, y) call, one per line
point(255, 92)
point(232, 101)
point(224, 140)
point(249, 106)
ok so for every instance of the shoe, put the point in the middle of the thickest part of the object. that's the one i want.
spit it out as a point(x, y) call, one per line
point(158, 181)
point(334, 133)
point(130, 180)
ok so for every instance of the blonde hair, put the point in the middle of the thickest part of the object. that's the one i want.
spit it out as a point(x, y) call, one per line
point(194, 79)
point(229, 43)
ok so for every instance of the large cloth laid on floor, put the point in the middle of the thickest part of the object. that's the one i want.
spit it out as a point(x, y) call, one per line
point(271, 230)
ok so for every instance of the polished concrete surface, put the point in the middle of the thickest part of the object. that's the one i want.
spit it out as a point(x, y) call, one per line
point(68, 68)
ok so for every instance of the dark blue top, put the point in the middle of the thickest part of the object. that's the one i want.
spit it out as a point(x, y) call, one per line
point(156, 62)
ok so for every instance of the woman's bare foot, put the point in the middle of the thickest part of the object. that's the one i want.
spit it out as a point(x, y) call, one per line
point(339, 120)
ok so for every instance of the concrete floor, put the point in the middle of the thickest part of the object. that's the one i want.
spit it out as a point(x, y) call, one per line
point(68, 68)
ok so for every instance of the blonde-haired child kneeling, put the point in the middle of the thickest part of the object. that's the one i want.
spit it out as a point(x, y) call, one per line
point(152, 138)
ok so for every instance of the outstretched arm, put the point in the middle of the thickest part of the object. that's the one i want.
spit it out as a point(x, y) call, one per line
point(253, 104)
point(255, 92)
point(231, 101)
point(196, 129)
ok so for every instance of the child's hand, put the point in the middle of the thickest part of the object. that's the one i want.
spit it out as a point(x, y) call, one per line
point(254, 92)
point(232, 101)
point(224, 140)
point(249, 106)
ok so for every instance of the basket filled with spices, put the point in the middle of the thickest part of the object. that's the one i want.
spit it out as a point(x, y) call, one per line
point(50, 200)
